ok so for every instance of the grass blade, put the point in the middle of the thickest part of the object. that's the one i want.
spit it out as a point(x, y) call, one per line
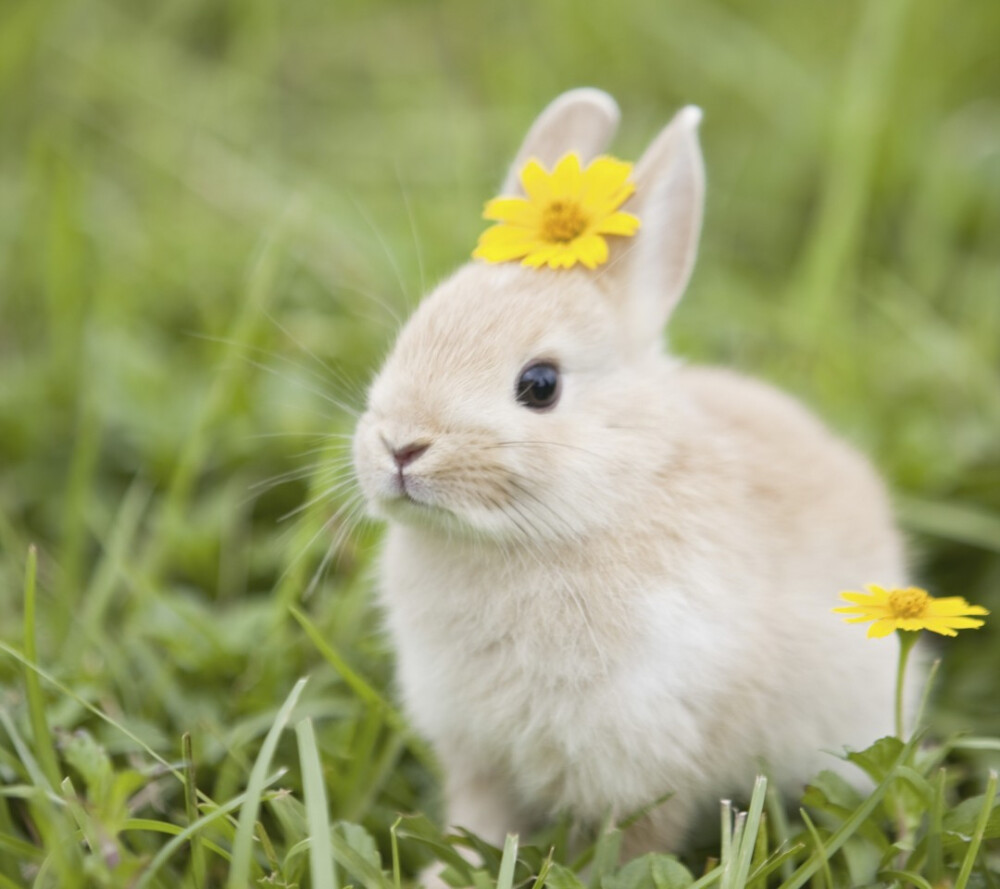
point(780, 859)
point(396, 877)
point(778, 823)
point(851, 825)
point(44, 749)
point(748, 839)
point(239, 874)
point(727, 831)
point(321, 864)
point(27, 759)
point(977, 837)
point(505, 878)
point(198, 867)
point(153, 826)
point(543, 871)
point(820, 848)
point(365, 691)
point(184, 836)
point(91, 708)
point(906, 878)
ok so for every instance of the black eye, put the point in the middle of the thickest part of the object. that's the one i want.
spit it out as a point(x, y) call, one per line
point(538, 386)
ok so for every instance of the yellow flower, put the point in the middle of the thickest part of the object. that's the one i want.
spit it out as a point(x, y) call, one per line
point(565, 216)
point(909, 609)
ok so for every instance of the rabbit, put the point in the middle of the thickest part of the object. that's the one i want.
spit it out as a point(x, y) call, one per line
point(626, 592)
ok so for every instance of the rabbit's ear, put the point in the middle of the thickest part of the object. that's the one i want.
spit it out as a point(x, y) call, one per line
point(582, 120)
point(650, 270)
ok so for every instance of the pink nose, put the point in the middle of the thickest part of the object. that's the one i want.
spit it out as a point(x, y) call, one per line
point(405, 455)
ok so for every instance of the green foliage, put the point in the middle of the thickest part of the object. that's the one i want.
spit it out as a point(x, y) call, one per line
point(212, 216)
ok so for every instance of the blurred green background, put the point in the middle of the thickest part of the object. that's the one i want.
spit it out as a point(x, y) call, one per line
point(211, 213)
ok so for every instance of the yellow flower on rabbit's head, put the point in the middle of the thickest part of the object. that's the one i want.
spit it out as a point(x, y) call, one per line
point(910, 609)
point(564, 217)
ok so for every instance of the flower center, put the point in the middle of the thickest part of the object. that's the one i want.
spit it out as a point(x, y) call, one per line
point(562, 221)
point(908, 603)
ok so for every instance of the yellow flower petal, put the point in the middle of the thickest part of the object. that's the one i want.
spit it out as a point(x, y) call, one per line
point(566, 177)
point(940, 629)
point(869, 613)
point(913, 624)
point(499, 252)
point(860, 598)
point(514, 210)
point(591, 250)
point(881, 628)
point(505, 233)
point(618, 224)
point(957, 623)
point(603, 180)
point(536, 182)
point(545, 254)
point(502, 242)
point(563, 258)
point(955, 605)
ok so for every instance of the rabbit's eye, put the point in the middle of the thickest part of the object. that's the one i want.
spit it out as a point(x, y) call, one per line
point(538, 386)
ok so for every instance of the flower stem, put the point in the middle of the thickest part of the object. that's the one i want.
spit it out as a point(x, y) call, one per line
point(907, 639)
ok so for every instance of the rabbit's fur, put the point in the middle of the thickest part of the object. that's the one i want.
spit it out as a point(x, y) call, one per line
point(629, 594)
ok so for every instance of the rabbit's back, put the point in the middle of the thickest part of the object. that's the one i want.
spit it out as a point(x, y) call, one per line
point(816, 520)
point(825, 509)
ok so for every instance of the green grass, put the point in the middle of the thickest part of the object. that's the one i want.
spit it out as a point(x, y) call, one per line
point(211, 215)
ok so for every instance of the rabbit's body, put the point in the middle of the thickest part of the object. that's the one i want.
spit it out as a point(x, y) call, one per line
point(629, 594)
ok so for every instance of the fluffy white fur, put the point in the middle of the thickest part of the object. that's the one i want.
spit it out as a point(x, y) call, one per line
point(628, 594)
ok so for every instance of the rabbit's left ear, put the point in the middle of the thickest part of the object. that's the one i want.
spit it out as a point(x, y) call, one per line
point(582, 120)
point(647, 273)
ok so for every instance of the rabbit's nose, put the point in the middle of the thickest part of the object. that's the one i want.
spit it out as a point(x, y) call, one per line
point(406, 454)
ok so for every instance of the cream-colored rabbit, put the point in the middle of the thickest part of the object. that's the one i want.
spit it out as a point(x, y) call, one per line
point(609, 576)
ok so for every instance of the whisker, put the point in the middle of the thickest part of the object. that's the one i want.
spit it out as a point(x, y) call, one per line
point(541, 444)
point(354, 412)
point(336, 375)
point(556, 530)
point(326, 494)
point(348, 524)
point(560, 499)
point(413, 229)
point(622, 255)
point(259, 489)
point(385, 249)
point(346, 408)
point(372, 296)
point(319, 436)
point(267, 353)
point(325, 526)
point(330, 449)
point(332, 551)
point(514, 521)
point(312, 469)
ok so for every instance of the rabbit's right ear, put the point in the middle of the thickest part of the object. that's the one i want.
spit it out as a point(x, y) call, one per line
point(582, 120)
point(648, 272)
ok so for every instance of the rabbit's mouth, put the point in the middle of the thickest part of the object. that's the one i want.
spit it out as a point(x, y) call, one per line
point(407, 487)
point(408, 507)
point(409, 495)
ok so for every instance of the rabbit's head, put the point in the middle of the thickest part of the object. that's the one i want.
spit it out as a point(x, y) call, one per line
point(533, 404)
